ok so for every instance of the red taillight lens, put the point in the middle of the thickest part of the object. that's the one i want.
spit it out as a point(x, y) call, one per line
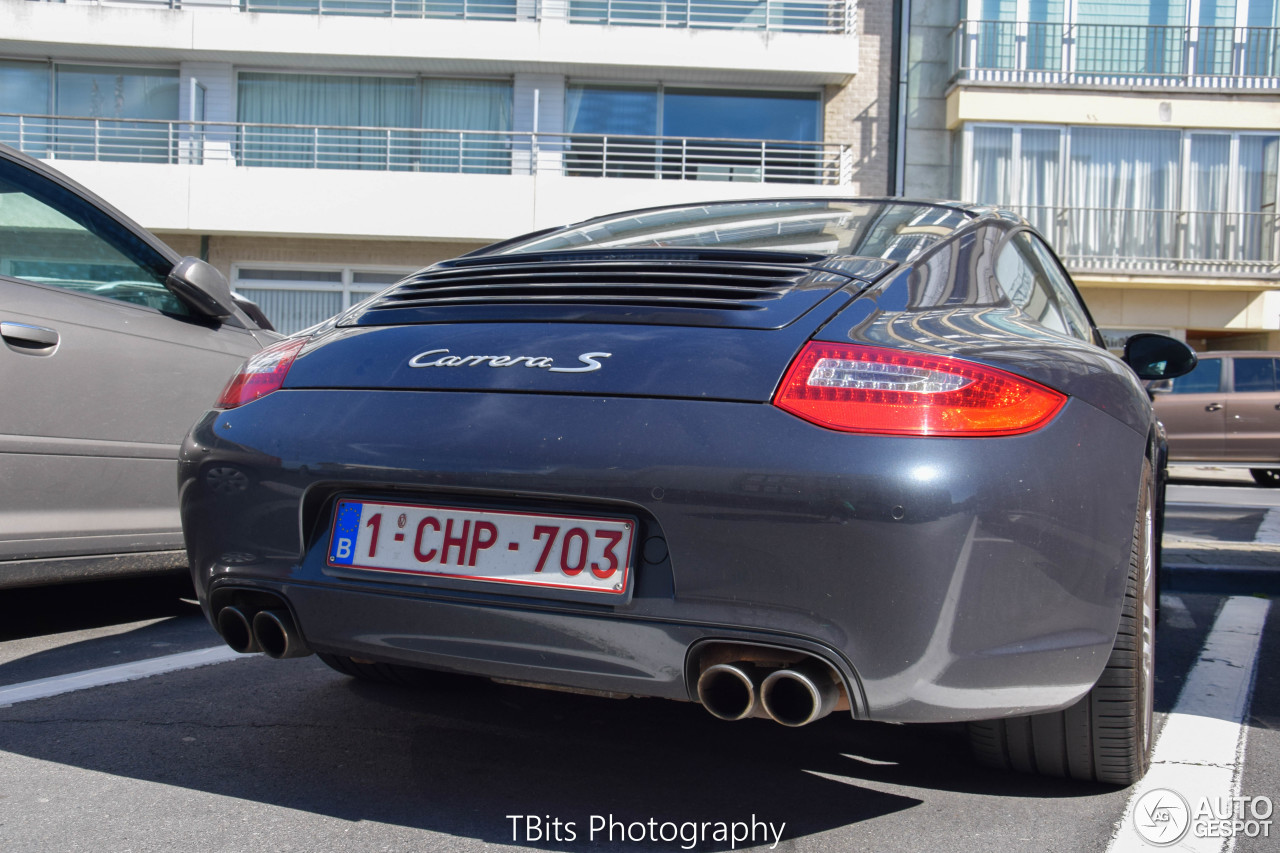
point(260, 375)
point(869, 389)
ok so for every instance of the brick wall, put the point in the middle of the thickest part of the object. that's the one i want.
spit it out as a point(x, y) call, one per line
point(857, 114)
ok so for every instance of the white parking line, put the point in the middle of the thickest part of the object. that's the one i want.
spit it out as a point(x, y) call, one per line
point(43, 688)
point(1269, 530)
point(1201, 749)
point(1174, 612)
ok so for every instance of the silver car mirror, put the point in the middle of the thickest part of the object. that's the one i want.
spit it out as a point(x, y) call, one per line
point(201, 286)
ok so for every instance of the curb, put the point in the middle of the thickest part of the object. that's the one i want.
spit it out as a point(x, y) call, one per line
point(1225, 579)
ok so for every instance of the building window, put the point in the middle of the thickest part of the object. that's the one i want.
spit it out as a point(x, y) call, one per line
point(355, 122)
point(1145, 41)
point(1159, 199)
point(1117, 169)
point(105, 112)
point(295, 299)
point(25, 87)
point(694, 134)
point(475, 120)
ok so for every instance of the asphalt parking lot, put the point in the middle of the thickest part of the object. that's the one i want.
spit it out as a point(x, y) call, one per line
point(251, 754)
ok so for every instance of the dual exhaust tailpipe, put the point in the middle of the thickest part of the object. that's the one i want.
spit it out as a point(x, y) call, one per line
point(272, 632)
point(793, 696)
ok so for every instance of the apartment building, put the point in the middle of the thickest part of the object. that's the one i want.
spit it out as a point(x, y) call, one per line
point(315, 150)
point(1141, 136)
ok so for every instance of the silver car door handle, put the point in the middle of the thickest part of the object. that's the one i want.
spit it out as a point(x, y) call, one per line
point(1213, 407)
point(24, 334)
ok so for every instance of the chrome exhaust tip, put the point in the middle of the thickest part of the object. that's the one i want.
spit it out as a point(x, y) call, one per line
point(277, 636)
point(801, 694)
point(235, 628)
point(728, 690)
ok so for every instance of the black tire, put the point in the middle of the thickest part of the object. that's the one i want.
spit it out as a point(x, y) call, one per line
point(1106, 736)
point(1266, 477)
point(383, 673)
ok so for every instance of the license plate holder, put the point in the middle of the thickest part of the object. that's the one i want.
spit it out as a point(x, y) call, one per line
point(541, 554)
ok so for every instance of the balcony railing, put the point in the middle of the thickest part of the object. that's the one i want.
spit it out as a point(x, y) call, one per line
point(796, 16)
point(427, 150)
point(1117, 54)
point(1129, 240)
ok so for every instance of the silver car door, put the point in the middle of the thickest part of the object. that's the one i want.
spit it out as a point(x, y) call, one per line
point(102, 372)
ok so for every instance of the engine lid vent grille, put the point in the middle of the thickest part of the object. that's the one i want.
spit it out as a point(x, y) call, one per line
point(676, 292)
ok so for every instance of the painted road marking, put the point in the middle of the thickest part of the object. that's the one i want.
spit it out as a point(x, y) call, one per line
point(1269, 530)
point(1174, 612)
point(43, 688)
point(1200, 752)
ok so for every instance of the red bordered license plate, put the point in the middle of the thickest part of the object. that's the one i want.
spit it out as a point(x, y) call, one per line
point(555, 552)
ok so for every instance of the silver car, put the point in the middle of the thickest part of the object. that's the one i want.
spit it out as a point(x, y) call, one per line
point(112, 345)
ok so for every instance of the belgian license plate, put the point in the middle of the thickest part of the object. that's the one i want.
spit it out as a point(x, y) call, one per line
point(579, 553)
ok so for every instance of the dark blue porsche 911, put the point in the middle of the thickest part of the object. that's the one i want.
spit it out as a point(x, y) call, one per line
point(781, 458)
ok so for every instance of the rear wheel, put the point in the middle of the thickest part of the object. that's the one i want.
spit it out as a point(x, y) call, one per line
point(1106, 736)
point(1268, 477)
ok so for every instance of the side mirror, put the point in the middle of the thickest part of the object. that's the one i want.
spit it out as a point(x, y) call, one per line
point(1160, 386)
point(201, 286)
point(1158, 356)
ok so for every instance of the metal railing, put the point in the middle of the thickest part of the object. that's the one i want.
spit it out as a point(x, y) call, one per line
point(1117, 54)
point(804, 16)
point(427, 150)
point(801, 16)
point(1134, 240)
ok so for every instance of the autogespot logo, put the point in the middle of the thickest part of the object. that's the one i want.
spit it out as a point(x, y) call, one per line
point(1162, 817)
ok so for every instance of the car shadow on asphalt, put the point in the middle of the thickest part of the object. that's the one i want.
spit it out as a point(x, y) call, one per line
point(56, 608)
point(471, 758)
point(61, 629)
point(475, 759)
point(464, 756)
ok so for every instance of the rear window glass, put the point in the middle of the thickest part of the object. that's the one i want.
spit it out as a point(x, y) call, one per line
point(1205, 379)
point(1032, 281)
point(1254, 374)
point(874, 229)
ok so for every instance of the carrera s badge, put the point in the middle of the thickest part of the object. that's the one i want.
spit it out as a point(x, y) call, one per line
point(441, 358)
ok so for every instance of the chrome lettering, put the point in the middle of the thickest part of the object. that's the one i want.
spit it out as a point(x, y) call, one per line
point(587, 358)
point(590, 361)
point(417, 360)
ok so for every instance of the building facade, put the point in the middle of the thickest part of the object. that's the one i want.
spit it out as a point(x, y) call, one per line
point(1141, 136)
point(316, 150)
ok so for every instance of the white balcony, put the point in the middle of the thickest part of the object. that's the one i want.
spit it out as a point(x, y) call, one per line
point(774, 45)
point(794, 16)
point(1138, 241)
point(1117, 55)
point(406, 183)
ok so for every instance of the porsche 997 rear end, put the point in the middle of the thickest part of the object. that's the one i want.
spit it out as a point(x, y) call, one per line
point(780, 458)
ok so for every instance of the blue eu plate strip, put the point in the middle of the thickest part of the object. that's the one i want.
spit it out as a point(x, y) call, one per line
point(346, 529)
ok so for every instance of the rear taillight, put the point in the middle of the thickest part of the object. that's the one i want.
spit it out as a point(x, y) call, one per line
point(260, 375)
point(868, 389)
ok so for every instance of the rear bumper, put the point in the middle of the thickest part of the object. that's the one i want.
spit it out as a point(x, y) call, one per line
point(945, 579)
